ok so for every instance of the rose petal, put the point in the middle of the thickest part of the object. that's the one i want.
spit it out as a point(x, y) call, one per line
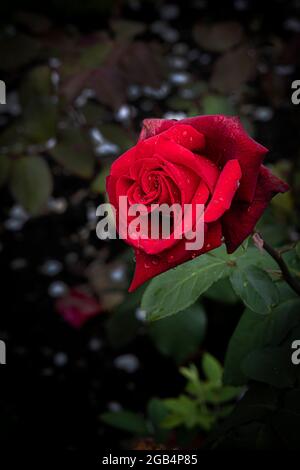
point(142, 165)
point(121, 166)
point(153, 127)
point(157, 246)
point(224, 192)
point(225, 140)
point(186, 136)
point(176, 154)
point(77, 307)
point(240, 220)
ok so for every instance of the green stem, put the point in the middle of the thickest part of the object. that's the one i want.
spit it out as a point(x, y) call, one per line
point(276, 255)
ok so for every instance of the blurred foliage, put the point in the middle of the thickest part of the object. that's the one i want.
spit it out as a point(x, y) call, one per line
point(204, 403)
point(265, 419)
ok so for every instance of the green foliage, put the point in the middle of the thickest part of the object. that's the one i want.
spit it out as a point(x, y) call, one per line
point(73, 151)
point(205, 402)
point(98, 185)
point(248, 270)
point(297, 250)
point(179, 288)
point(17, 50)
point(116, 134)
point(4, 169)
point(31, 182)
point(264, 419)
point(127, 421)
point(122, 326)
point(255, 288)
point(39, 108)
point(177, 337)
point(222, 292)
point(126, 29)
point(217, 104)
point(260, 347)
point(157, 412)
point(212, 369)
point(180, 335)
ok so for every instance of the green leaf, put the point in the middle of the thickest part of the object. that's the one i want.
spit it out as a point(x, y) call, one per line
point(122, 326)
point(212, 368)
point(217, 104)
point(5, 164)
point(157, 412)
point(252, 256)
point(40, 120)
point(94, 55)
point(37, 82)
point(255, 288)
point(293, 262)
point(98, 185)
point(17, 50)
point(179, 336)
point(31, 182)
point(40, 111)
point(247, 336)
point(270, 365)
point(222, 394)
point(179, 288)
point(298, 249)
point(255, 332)
point(127, 29)
point(74, 153)
point(194, 385)
point(183, 410)
point(222, 291)
point(127, 421)
point(12, 139)
point(117, 135)
point(218, 36)
point(93, 113)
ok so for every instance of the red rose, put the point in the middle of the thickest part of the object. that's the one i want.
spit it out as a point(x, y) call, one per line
point(208, 160)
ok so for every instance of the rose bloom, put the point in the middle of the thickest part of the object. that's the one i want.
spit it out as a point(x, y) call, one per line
point(208, 160)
